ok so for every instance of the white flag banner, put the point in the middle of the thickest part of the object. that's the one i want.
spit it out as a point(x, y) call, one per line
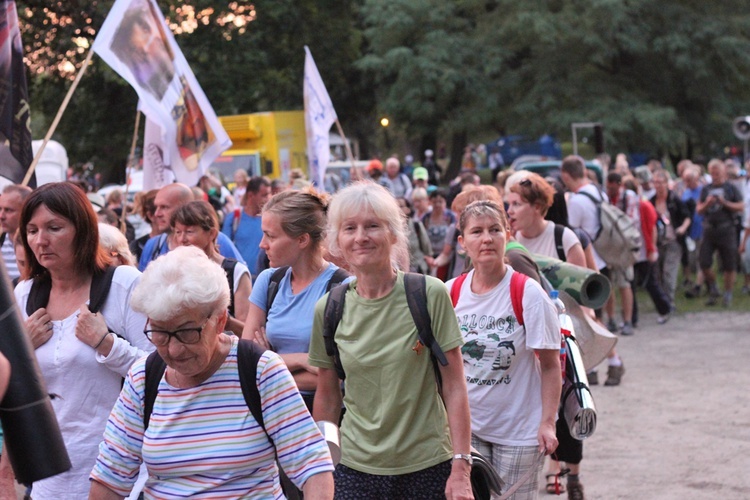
point(319, 116)
point(137, 43)
point(155, 173)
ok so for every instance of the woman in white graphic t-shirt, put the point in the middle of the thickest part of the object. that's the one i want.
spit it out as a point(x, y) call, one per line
point(512, 371)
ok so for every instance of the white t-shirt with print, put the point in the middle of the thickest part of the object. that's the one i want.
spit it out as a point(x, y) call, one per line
point(503, 376)
point(545, 244)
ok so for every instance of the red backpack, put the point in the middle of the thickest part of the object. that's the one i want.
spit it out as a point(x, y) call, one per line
point(517, 284)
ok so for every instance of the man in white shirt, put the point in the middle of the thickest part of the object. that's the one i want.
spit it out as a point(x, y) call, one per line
point(10, 210)
point(583, 214)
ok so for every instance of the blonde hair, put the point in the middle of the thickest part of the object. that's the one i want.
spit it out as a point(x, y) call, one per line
point(115, 244)
point(366, 196)
point(300, 212)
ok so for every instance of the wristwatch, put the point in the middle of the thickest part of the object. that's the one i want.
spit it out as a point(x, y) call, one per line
point(464, 456)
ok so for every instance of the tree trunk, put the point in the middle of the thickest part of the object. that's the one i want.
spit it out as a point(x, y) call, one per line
point(458, 143)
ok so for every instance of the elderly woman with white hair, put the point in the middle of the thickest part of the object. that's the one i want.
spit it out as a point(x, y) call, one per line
point(398, 439)
point(116, 245)
point(202, 438)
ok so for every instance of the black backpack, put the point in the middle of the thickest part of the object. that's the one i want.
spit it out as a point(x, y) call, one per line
point(559, 229)
point(248, 354)
point(273, 284)
point(101, 282)
point(228, 266)
point(416, 297)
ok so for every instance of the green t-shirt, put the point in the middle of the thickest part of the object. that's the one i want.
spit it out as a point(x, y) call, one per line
point(395, 421)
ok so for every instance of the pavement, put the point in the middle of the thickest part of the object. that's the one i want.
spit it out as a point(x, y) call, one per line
point(678, 427)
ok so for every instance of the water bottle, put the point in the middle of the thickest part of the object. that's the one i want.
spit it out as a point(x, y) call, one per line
point(554, 295)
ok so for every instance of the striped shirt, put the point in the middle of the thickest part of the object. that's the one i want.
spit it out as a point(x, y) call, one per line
point(9, 257)
point(203, 441)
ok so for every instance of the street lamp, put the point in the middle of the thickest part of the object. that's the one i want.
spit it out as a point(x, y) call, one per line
point(384, 122)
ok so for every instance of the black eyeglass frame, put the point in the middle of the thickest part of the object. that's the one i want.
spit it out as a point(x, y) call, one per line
point(176, 334)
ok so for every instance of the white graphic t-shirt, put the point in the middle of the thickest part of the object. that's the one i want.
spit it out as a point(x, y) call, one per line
point(503, 377)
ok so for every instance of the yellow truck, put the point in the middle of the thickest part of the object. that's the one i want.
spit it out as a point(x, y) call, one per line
point(270, 143)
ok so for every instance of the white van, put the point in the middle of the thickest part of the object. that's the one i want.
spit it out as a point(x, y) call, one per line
point(53, 165)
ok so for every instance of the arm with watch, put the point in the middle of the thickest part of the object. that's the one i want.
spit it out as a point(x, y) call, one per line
point(457, 405)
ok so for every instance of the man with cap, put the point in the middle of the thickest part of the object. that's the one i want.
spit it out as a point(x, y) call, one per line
point(420, 178)
point(10, 211)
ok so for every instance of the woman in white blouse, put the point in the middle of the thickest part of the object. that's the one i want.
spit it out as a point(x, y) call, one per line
point(83, 356)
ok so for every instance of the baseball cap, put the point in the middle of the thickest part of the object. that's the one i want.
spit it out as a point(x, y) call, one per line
point(375, 165)
point(420, 173)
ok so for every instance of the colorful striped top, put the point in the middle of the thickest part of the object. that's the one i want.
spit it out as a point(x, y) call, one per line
point(203, 441)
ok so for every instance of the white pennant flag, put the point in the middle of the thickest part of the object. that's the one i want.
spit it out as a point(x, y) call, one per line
point(137, 43)
point(319, 116)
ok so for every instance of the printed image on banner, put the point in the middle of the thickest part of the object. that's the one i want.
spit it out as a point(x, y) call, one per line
point(15, 131)
point(136, 42)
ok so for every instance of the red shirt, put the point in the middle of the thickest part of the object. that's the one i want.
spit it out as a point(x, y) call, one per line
point(648, 223)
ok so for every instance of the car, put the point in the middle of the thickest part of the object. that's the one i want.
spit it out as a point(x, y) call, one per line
point(136, 185)
point(551, 168)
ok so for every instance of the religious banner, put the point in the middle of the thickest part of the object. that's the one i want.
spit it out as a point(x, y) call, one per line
point(137, 43)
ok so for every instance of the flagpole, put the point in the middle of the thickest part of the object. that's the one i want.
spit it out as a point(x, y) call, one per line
point(56, 121)
point(129, 168)
point(349, 154)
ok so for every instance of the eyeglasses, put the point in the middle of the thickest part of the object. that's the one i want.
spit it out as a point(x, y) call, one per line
point(161, 338)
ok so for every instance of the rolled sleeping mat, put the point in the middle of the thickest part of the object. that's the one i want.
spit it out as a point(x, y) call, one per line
point(577, 401)
point(32, 437)
point(588, 288)
point(593, 339)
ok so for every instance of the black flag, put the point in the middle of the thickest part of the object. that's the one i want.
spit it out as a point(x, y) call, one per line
point(15, 119)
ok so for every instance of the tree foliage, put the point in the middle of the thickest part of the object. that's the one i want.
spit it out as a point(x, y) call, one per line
point(663, 77)
point(660, 75)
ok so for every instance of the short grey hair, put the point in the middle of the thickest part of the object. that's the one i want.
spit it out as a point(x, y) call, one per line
point(367, 196)
point(183, 280)
point(115, 243)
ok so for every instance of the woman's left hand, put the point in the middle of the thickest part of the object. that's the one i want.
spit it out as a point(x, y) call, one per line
point(259, 337)
point(458, 486)
point(547, 438)
point(91, 327)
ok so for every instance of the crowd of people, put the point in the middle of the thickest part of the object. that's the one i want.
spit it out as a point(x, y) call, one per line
point(395, 308)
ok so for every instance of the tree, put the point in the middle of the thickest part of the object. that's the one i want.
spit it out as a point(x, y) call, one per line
point(661, 76)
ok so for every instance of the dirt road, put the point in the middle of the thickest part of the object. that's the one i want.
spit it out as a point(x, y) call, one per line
point(679, 425)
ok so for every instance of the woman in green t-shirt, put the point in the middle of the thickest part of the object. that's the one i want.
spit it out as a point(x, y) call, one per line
point(398, 439)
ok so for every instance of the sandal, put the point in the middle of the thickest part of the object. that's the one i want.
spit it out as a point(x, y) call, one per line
point(554, 487)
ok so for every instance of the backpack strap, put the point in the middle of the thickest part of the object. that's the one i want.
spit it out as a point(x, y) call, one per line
point(2, 238)
point(248, 355)
point(228, 265)
point(158, 246)
point(456, 287)
point(101, 282)
point(559, 229)
point(273, 286)
point(332, 315)
point(39, 293)
point(416, 298)
point(339, 275)
point(517, 285)
point(155, 367)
